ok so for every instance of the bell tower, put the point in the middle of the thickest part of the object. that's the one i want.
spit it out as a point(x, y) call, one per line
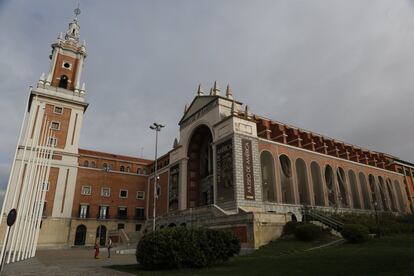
point(47, 151)
point(67, 58)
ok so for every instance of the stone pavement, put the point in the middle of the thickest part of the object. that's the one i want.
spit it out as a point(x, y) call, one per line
point(75, 261)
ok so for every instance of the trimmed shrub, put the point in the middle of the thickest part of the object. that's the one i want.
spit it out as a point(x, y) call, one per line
point(289, 228)
point(355, 233)
point(308, 232)
point(186, 247)
point(381, 223)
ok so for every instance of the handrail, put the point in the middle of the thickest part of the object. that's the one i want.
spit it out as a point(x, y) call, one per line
point(328, 221)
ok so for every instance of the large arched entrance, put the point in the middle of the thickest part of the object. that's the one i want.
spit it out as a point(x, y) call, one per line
point(200, 168)
point(80, 235)
point(101, 234)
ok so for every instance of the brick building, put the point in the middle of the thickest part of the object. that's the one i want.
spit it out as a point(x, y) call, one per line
point(228, 169)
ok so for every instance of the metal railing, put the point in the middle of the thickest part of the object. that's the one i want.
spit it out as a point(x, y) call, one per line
point(310, 214)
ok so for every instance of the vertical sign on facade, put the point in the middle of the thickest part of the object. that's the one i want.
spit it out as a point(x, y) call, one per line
point(173, 188)
point(248, 169)
point(224, 173)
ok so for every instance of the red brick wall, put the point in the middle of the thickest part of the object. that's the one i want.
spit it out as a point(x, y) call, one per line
point(60, 70)
point(114, 180)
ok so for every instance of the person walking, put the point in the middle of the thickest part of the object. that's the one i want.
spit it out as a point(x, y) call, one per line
point(97, 249)
point(109, 247)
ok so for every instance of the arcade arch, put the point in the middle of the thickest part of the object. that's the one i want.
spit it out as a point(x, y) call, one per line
point(200, 168)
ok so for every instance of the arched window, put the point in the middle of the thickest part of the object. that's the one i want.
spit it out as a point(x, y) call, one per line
point(268, 176)
point(391, 194)
point(365, 191)
point(383, 194)
point(105, 166)
point(317, 184)
point(86, 163)
point(63, 83)
point(110, 167)
point(128, 169)
point(329, 181)
point(373, 191)
point(286, 180)
point(399, 195)
point(340, 175)
point(354, 189)
point(139, 171)
point(122, 168)
point(93, 164)
point(302, 177)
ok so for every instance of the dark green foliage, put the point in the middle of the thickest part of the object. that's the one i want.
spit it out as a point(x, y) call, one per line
point(382, 223)
point(186, 247)
point(308, 232)
point(289, 228)
point(355, 233)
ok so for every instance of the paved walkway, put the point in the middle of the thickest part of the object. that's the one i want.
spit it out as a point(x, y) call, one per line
point(69, 262)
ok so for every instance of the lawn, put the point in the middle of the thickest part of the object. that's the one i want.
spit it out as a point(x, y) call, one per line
point(385, 256)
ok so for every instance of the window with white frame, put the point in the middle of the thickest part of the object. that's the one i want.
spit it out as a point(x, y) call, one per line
point(105, 192)
point(123, 193)
point(52, 141)
point(83, 211)
point(86, 190)
point(141, 195)
point(103, 212)
point(46, 186)
point(58, 110)
point(55, 126)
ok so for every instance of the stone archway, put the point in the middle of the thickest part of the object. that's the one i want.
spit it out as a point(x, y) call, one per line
point(80, 235)
point(200, 168)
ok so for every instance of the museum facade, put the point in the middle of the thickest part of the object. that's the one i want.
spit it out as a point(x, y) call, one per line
point(229, 169)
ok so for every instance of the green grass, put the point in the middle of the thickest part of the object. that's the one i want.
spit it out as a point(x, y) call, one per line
point(386, 256)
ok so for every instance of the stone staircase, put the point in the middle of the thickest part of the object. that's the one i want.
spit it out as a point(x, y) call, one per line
point(323, 220)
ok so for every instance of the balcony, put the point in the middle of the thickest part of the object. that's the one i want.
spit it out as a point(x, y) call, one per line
point(122, 216)
point(140, 217)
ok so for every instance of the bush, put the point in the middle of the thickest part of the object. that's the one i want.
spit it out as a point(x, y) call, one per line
point(355, 233)
point(289, 228)
point(382, 223)
point(186, 247)
point(308, 232)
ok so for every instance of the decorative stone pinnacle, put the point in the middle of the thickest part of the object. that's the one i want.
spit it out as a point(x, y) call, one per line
point(229, 93)
point(233, 108)
point(216, 89)
point(246, 112)
point(200, 91)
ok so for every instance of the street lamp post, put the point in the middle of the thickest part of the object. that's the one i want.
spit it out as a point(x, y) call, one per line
point(157, 127)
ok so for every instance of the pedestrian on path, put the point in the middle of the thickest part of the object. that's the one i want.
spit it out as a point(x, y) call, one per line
point(97, 249)
point(109, 247)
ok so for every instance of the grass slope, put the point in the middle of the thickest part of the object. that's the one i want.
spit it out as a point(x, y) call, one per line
point(387, 256)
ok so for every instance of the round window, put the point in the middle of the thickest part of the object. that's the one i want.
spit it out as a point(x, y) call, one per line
point(66, 65)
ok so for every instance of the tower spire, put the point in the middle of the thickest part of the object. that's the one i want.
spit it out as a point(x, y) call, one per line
point(77, 11)
point(200, 90)
point(229, 92)
point(215, 90)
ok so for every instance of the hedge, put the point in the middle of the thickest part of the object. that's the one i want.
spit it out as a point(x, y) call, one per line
point(308, 232)
point(186, 247)
point(355, 233)
point(289, 228)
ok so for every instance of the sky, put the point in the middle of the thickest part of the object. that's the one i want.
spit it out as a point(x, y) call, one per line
point(339, 68)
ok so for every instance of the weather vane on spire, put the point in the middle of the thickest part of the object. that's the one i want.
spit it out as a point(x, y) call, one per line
point(77, 11)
